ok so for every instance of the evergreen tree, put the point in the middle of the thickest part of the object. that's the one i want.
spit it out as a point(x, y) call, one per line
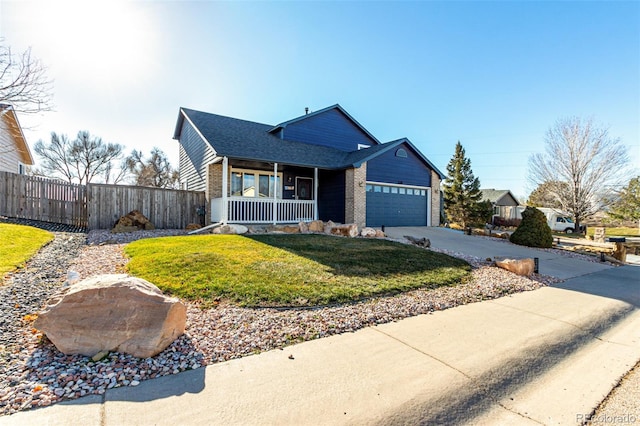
point(626, 204)
point(461, 189)
point(533, 230)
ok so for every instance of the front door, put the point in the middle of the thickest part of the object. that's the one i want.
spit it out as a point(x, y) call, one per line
point(304, 188)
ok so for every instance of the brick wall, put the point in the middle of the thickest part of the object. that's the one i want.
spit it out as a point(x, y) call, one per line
point(435, 199)
point(356, 196)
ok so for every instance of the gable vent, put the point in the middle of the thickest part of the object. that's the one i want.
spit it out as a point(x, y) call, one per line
point(401, 153)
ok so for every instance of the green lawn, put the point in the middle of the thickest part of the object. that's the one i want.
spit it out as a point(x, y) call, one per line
point(609, 232)
point(18, 243)
point(287, 270)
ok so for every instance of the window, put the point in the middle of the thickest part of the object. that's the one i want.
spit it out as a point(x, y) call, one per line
point(252, 183)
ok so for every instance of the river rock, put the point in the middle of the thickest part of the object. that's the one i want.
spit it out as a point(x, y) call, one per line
point(112, 313)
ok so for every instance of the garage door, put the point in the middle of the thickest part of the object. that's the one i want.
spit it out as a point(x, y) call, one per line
point(396, 206)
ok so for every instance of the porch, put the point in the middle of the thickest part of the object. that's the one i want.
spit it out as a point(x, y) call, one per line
point(247, 192)
point(260, 210)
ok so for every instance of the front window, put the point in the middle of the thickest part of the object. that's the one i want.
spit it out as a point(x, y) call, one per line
point(253, 183)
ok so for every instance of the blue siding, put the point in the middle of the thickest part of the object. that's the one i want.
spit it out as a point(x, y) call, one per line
point(330, 128)
point(195, 155)
point(331, 194)
point(391, 169)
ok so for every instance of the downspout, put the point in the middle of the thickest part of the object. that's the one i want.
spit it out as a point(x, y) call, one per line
point(225, 178)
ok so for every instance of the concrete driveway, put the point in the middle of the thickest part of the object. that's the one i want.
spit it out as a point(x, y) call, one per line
point(551, 262)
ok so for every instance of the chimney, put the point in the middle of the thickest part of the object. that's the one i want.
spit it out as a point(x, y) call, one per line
point(306, 110)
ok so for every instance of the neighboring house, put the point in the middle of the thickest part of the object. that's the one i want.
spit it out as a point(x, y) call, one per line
point(15, 156)
point(322, 165)
point(503, 201)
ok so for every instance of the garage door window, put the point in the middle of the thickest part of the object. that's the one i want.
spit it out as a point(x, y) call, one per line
point(400, 190)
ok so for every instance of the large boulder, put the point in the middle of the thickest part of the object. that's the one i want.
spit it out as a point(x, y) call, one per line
point(368, 232)
point(523, 267)
point(112, 313)
point(316, 226)
point(347, 230)
point(131, 222)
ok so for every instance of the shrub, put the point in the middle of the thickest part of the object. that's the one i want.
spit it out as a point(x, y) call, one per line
point(533, 230)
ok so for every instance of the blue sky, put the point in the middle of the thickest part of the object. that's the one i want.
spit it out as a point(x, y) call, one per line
point(493, 75)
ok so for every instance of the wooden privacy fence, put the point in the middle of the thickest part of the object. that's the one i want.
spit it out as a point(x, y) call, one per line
point(36, 198)
point(95, 206)
point(165, 208)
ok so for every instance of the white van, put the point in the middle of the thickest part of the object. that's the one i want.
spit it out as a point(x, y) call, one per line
point(557, 220)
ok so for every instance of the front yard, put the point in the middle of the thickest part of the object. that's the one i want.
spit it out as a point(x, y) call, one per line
point(288, 270)
point(19, 244)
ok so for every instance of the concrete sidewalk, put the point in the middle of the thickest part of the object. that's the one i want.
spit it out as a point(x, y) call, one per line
point(548, 356)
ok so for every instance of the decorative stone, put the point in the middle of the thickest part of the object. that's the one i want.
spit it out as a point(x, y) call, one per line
point(380, 234)
point(316, 226)
point(231, 228)
point(517, 266)
point(421, 242)
point(368, 232)
point(131, 222)
point(115, 313)
point(328, 226)
point(303, 227)
point(347, 230)
point(193, 227)
point(290, 229)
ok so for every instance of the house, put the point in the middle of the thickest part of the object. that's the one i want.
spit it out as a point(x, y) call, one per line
point(15, 155)
point(503, 201)
point(321, 165)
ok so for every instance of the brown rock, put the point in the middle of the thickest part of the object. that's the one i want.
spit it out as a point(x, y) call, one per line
point(131, 222)
point(113, 313)
point(421, 242)
point(193, 226)
point(303, 227)
point(517, 266)
point(368, 232)
point(316, 226)
point(380, 234)
point(290, 229)
point(328, 227)
point(347, 230)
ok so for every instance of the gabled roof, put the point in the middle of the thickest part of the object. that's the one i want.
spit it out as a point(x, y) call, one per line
point(247, 140)
point(235, 138)
point(363, 155)
point(497, 195)
point(312, 114)
point(8, 114)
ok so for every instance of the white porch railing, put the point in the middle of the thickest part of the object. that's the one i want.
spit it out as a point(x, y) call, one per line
point(261, 210)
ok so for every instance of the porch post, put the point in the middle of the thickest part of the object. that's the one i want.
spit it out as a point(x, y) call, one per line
point(225, 178)
point(275, 193)
point(315, 193)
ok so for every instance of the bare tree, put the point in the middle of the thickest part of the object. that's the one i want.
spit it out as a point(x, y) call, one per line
point(156, 171)
point(580, 162)
point(80, 161)
point(23, 82)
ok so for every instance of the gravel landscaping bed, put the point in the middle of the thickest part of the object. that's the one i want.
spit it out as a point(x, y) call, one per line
point(33, 373)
